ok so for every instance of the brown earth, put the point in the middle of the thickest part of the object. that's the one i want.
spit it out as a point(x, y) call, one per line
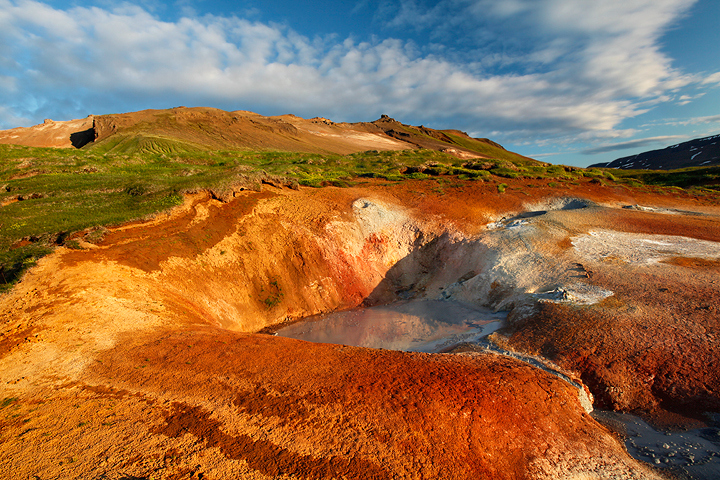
point(209, 128)
point(137, 357)
point(62, 134)
point(665, 317)
point(213, 128)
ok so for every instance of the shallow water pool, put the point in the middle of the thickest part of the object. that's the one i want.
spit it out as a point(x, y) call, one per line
point(413, 326)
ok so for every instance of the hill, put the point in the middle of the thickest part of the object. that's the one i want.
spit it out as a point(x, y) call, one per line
point(695, 153)
point(182, 130)
point(65, 134)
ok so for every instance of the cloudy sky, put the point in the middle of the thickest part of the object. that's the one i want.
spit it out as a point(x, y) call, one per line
point(568, 81)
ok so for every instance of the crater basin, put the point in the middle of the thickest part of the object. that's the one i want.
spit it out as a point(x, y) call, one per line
point(430, 326)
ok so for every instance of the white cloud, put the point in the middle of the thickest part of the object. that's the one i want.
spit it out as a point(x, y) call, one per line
point(676, 122)
point(699, 120)
point(638, 18)
point(686, 99)
point(714, 78)
point(600, 64)
point(641, 142)
point(544, 155)
point(605, 51)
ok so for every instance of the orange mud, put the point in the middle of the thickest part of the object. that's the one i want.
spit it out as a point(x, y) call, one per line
point(136, 359)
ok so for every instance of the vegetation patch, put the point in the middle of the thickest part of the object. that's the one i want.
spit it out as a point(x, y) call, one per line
point(700, 178)
point(7, 401)
point(272, 294)
point(48, 194)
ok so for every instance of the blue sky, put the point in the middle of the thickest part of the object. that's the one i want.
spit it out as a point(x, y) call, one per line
point(568, 81)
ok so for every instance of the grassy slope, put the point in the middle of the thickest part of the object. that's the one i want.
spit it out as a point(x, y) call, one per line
point(701, 178)
point(488, 149)
point(61, 191)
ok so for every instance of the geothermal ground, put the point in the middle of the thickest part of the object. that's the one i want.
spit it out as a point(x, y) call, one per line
point(141, 355)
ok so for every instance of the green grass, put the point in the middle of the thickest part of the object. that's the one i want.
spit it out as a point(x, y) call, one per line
point(7, 401)
point(699, 178)
point(489, 150)
point(50, 194)
point(273, 295)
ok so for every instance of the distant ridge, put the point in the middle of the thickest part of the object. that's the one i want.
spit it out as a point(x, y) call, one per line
point(183, 129)
point(700, 152)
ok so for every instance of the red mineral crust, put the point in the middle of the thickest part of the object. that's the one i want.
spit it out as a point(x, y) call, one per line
point(139, 357)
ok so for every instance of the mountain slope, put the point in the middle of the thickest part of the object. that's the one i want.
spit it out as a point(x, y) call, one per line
point(184, 129)
point(67, 134)
point(695, 153)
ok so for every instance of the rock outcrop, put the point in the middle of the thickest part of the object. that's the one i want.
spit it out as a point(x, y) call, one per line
point(64, 134)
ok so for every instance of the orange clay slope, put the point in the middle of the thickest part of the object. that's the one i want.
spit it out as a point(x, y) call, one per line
point(138, 356)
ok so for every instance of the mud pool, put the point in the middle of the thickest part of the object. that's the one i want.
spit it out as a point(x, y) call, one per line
point(430, 326)
point(691, 454)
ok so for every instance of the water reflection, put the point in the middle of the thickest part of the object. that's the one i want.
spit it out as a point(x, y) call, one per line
point(414, 326)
